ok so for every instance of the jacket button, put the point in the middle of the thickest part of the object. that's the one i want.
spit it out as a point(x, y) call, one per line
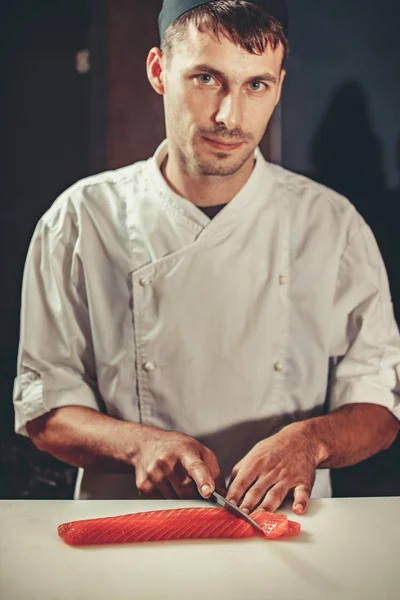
point(283, 280)
point(278, 366)
point(143, 282)
point(149, 366)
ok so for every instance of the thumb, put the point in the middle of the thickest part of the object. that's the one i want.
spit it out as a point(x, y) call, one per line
point(199, 472)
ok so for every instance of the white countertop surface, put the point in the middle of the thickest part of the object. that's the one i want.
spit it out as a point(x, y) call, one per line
point(349, 549)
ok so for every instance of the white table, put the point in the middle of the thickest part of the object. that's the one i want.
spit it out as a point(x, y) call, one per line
point(349, 549)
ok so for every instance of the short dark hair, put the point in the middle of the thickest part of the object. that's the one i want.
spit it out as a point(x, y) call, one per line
point(246, 24)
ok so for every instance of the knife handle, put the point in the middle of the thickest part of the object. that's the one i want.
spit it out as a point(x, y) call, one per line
point(213, 498)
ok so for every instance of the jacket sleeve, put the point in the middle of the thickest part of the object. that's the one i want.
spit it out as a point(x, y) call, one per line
point(56, 365)
point(366, 341)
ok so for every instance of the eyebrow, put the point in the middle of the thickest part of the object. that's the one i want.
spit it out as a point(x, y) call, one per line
point(212, 71)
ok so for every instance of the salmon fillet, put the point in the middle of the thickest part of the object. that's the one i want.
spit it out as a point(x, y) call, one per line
point(174, 524)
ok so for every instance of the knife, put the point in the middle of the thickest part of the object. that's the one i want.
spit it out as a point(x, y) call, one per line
point(218, 499)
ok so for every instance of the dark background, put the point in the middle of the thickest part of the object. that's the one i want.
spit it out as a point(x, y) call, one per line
point(339, 123)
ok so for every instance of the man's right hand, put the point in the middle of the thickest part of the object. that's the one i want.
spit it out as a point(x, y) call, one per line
point(172, 465)
point(167, 464)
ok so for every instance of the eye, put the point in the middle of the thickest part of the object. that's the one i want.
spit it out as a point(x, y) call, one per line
point(257, 86)
point(205, 79)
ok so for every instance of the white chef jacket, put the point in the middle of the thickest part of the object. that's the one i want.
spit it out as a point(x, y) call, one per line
point(138, 305)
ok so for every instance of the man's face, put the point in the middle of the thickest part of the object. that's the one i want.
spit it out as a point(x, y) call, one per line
point(217, 91)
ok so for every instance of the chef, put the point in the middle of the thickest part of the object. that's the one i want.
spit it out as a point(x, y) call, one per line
point(205, 319)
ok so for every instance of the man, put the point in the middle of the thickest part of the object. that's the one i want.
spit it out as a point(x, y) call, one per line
point(167, 349)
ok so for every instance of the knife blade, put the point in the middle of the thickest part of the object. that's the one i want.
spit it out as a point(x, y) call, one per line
point(221, 501)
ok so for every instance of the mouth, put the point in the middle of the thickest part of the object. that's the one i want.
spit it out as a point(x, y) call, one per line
point(222, 145)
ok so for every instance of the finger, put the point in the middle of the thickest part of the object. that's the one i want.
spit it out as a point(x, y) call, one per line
point(184, 488)
point(200, 473)
point(254, 496)
point(167, 490)
point(189, 489)
point(301, 499)
point(146, 488)
point(274, 497)
point(153, 494)
point(159, 480)
point(234, 474)
point(211, 461)
point(239, 487)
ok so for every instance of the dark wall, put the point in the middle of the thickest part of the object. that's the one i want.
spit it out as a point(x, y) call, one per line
point(45, 124)
point(341, 108)
point(132, 134)
point(44, 121)
point(341, 126)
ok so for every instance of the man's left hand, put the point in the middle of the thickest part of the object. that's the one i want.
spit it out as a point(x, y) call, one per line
point(282, 464)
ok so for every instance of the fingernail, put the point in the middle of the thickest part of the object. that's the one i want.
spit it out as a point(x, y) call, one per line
point(246, 510)
point(232, 500)
point(299, 506)
point(205, 489)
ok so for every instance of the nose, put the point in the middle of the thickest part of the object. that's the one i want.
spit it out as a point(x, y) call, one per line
point(230, 111)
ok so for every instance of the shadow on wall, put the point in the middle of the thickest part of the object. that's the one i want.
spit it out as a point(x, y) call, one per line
point(347, 157)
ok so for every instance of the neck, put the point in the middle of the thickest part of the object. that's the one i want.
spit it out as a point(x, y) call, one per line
point(205, 190)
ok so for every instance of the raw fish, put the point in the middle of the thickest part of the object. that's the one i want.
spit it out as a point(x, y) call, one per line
point(174, 524)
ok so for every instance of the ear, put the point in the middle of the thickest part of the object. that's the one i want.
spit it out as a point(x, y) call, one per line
point(155, 73)
point(281, 79)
